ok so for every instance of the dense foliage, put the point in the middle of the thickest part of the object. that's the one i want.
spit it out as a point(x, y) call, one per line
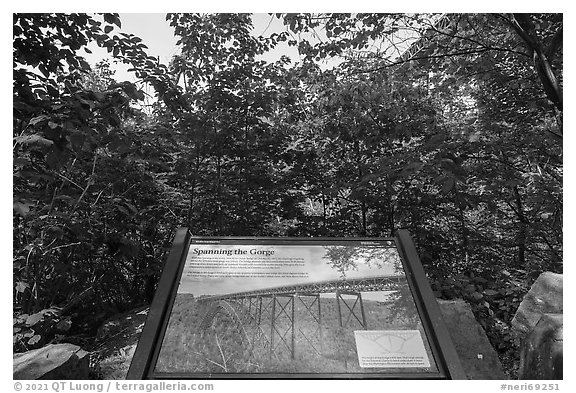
point(458, 141)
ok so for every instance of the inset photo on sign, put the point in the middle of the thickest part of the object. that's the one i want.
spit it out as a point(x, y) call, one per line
point(391, 348)
point(320, 307)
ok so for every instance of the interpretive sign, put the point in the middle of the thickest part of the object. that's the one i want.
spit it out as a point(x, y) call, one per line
point(265, 307)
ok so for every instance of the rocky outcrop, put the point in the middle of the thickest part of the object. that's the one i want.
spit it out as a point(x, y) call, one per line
point(478, 357)
point(544, 297)
point(118, 338)
point(54, 361)
point(541, 355)
point(538, 322)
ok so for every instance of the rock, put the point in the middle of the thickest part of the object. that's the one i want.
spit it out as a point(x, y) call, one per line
point(53, 361)
point(127, 322)
point(118, 337)
point(116, 366)
point(541, 354)
point(545, 296)
point(478, 357)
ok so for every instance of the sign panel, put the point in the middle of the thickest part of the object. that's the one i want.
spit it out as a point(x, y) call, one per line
point(291, 307)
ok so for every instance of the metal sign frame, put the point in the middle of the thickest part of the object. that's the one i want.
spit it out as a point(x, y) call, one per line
point(150, 342)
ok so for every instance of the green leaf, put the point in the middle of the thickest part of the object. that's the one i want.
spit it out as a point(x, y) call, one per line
point(34, 340)
point(475, 137)
point(54, 92)
point(44, 71)
point(22, 207)
point(476, 295)
point(84, 66)
point(490, 292)
point(38, 119)
point(109, 18)
point(22, 318)
point(132, 92)
point(21, 286)
point(33, 139)
point(131, 207)
point(108, 29)
point(411, 168)
point(436, 141)
point(34, 318)
point(98, 96)
point(64, 325)
point(448, 185)
point(55, 158)
point(77, 139)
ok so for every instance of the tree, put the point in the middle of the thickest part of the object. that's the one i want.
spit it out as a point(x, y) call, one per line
point(227, 141)
point(484, 176)
point(446, 36)
point(544, 53)
point(86, 241)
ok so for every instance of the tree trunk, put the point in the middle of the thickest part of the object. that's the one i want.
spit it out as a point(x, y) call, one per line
point(463, 230)
point(363, 207)
point(245, 172)
point(219, 217)
point(195, 176)
point(391, 221)
point(525, 28)
point(522, 230)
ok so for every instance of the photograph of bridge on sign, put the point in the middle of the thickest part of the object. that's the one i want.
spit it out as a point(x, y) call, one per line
point(272, 307)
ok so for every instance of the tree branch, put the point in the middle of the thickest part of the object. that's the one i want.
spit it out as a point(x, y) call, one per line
point(90, 182)
point(63, 246)
point(476, 42)
point(68, 180)
point(439, 56)
point(524, 27)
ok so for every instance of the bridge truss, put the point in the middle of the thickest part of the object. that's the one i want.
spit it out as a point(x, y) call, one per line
point(283, 321)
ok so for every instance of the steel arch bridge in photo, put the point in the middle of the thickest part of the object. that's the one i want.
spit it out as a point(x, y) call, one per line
point(273, 319)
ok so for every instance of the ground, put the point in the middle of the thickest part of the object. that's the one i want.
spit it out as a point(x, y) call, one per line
point(116, 342)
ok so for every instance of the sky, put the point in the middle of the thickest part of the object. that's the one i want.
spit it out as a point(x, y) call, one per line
point(158, 36)
point(155, 33)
